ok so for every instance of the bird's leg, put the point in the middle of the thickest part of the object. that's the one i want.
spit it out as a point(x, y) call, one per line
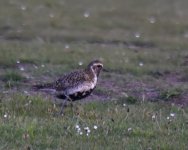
point(64, 103)
point(63, 106)
point(71, 103)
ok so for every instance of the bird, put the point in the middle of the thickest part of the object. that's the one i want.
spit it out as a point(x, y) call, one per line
point(75, 85)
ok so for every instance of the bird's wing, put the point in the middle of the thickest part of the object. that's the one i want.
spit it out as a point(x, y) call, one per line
point(70, 80)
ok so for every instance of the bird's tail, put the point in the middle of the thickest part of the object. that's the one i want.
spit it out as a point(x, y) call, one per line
point(43, 86)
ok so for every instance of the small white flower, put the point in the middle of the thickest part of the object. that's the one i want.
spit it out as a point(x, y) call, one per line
point(124, 105)
point(168, 118)
point(22, 68)
point(42, 65)
point(36, 67)
point(153, 117)
point(172, 114)
point(81, 133)
point(80, 63)
point(141, 64)
point(87, 134)
point(77, 126)
point(17, 61)
point(129, 129)
point(51, 15)
point(95, 127)
point(67, 46)
point(152, 20)
point(137, 35)
point(78, 129)
point(86, 128)
point(26, 92)
point(5, 115)
point(23, 7)
point(86, 14)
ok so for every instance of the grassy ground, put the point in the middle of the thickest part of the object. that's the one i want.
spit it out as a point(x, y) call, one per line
point(141, 103)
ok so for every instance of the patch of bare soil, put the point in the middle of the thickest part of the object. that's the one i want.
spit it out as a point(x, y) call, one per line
point(185, 61)
point(164, 88)
point(135, 89)
point(110, 89)
point(173, 78)
point(182, 100)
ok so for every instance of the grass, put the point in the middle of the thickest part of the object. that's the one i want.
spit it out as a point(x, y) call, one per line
point(30, 122)
point(142, 43)
point(167, 95)
point(12, 78)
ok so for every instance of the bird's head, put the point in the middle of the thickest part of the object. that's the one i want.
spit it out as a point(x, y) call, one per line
point(95, 66)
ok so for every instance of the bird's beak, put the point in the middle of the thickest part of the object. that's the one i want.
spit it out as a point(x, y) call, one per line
point(105, 70)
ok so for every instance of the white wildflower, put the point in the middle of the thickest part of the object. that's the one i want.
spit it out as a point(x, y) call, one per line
point(137, 35)
point(153, 117)
point(36, 67)
point(26, 92)
point(172, 114)
point(51, 15)
point(80, 63)
point(95, 127)
point(152, 20)
point(22, 68)
point(77, 126)
point(129, 129)
point(5, 115)
point(23, 7)
point(86, 14)
point(141, 64)
point(67, 46)
point(86, 128)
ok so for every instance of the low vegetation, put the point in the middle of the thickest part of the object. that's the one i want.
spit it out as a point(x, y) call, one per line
point(140, 101)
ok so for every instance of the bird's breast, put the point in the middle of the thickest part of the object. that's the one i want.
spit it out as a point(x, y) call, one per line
point(80, 95)
point(78, 92)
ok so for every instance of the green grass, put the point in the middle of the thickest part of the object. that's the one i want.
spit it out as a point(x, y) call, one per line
point(12, 78)
point(50, 38)
point(32, 122)
point(172, 93)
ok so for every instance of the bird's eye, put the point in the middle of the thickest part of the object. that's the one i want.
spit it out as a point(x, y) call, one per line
point(99, 66)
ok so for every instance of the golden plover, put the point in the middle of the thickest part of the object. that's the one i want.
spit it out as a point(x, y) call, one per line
point(74, 85)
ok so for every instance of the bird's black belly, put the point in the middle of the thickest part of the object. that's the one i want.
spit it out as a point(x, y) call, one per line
point(76, 96)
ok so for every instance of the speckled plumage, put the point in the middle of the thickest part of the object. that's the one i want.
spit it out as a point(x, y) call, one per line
point(75, 85)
